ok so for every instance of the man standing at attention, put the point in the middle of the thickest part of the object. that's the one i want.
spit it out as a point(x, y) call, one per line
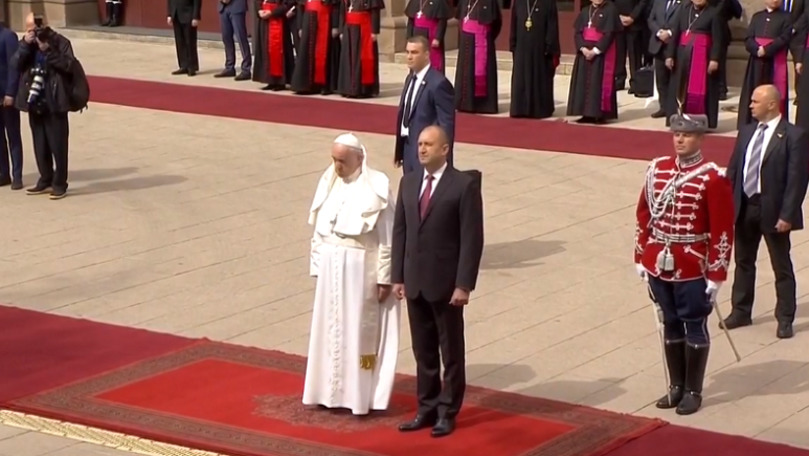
point(233, 20)
point(184, 17)
point(768, 170)
point(685, 264)
point(10, 118)
point(437, 248)
point(354, 341)
point(428, 99)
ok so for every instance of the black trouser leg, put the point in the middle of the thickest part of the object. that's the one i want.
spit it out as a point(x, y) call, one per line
point(42, 152)
point(748, 237)
point(180, 45)
point(425, 341)
point(778, 246)
point(634, 52)
point(453, 352)
point(57, 132)
point(662, 77)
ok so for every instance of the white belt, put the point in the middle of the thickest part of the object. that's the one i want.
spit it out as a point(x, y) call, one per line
point(679, 238)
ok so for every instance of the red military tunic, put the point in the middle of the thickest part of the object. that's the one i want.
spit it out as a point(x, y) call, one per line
point(685, 218)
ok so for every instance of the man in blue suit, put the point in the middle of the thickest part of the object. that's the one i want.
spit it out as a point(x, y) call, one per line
point(661, 20)
point(428, 99)
point(10, 118)
point(233, 20)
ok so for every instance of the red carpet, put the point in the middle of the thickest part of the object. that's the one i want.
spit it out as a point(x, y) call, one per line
point(246, 402)
point(337, 114)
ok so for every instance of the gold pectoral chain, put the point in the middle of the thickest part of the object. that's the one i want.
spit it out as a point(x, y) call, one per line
point(528, 22)
point(367, 362)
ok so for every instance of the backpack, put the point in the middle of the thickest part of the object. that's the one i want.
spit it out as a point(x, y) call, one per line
point(78, 88)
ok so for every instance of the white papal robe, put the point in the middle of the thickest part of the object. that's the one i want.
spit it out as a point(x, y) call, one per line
point(354, 339)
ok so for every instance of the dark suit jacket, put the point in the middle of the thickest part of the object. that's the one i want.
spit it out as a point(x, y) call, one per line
point(797, 44)
point(660, 19)
point(432, 257)
point(434, 105)
point(784, 174)
point(9, 76)
point(184, 11)
point(233, 7)
point(634, 9)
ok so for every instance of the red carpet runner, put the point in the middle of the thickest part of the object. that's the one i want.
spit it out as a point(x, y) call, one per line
point(246, 402)
point(316, 111)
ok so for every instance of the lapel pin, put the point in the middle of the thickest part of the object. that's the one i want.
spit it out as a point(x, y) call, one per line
point(780, 135)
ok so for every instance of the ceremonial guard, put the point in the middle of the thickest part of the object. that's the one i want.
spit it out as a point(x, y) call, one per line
point(428, 18)
point(683, 242)
point(318, 50)
point(359, 52)
point(273, 54)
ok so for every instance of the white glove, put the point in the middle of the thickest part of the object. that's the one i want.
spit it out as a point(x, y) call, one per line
point(712, 290)
point(641, 272)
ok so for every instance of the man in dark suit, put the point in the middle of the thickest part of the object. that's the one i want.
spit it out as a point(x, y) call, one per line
point(184, 16)
point(10, 116)
point(768, 171)
point(428, 99)
point(795, 9)
point(436, 253)
point(233, 20)
point(661, 19)
point(632, 14)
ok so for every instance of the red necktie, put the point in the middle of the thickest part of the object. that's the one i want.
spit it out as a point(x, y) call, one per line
point(425, 197)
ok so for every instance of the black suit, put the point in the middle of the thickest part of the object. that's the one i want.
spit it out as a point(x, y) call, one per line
point(432, 257)
point(661, 17)
point(182, 13)
point(783, 180)
point(796, 45)
point(630, 43)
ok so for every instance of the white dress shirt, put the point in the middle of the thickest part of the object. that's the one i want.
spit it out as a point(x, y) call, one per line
point(436, 177)
point(412, 95)
point(771, 125)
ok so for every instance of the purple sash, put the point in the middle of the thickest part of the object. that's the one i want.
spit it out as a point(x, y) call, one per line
point(608, 77)
point(481, 33)
point(779, 72)
point(431, 25)
point(698, 75)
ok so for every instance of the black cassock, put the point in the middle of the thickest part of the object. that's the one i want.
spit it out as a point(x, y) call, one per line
point(697, 38)
point(428, 18)
point(318, 51)
point(801, 41)
point(534, 45)
point(359, 52)
point(476, 72)
point(592, 82)
point(273, 54)
point(773, 32)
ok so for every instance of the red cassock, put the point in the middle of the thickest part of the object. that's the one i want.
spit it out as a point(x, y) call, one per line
point(685, 221)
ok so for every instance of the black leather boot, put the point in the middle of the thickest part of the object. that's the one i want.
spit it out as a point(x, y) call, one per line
point(675, 361)
point(696, 361)
point(108, 21)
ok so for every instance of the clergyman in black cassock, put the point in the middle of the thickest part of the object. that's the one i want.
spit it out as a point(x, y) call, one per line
point(694, 59)
point(318, 50)
point(767, 42)
point(480, 22)
point(428, 18)
point(273, 55)
point(359, 51)
point(534, 44)
point(592, 82)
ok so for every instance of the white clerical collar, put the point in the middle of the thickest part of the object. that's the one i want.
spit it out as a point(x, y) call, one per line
point(436, 175)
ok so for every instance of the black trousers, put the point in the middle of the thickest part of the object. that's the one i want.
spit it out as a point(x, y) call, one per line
point(50, 133)
point(748, 238)
point(437, 333)
point(629, 46)
point(185, 40)
point(662, 78)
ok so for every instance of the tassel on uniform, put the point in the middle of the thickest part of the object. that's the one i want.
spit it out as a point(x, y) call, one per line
point(367, 362)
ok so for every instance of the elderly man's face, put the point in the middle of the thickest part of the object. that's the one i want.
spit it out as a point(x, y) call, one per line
point(346, 160)
point(687, 143)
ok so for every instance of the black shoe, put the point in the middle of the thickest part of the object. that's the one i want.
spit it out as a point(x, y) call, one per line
point(443, 428)
point(16, 185)
point(784, 330)
point(696, 361)
point(58, 194)
point(225, 74)
point(675, 363)
point(179, 72)
point(243, 76)
point(659, 114)
point(192, 72)
point(419, 422)
point(38, 189)
point(736, 320)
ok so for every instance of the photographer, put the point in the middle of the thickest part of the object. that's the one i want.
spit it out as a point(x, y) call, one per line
point(45, 61)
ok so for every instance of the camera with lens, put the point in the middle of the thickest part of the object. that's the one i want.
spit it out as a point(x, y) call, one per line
point(42, 32)
point(37, 83)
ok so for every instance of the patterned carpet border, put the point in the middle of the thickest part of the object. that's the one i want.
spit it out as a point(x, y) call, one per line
point(596, 432)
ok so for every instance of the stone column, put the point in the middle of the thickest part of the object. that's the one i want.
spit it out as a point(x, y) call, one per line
point(392, 39)
point(58, 13)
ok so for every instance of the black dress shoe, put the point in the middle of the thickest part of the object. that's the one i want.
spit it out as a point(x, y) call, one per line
point(736, 320)
point(225, 74)
point(659, 114)
point(443, 427)
point(243, 76)
point(419, 422)
point(192, 72)
point(180, 71)
point(784, 330)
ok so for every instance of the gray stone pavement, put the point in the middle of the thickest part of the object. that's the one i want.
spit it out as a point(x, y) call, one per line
point(196, 225)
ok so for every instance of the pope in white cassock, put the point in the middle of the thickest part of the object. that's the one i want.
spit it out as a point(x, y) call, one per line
point(354, 340)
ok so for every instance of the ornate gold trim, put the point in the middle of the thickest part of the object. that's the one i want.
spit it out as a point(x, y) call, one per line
point(109, 439)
